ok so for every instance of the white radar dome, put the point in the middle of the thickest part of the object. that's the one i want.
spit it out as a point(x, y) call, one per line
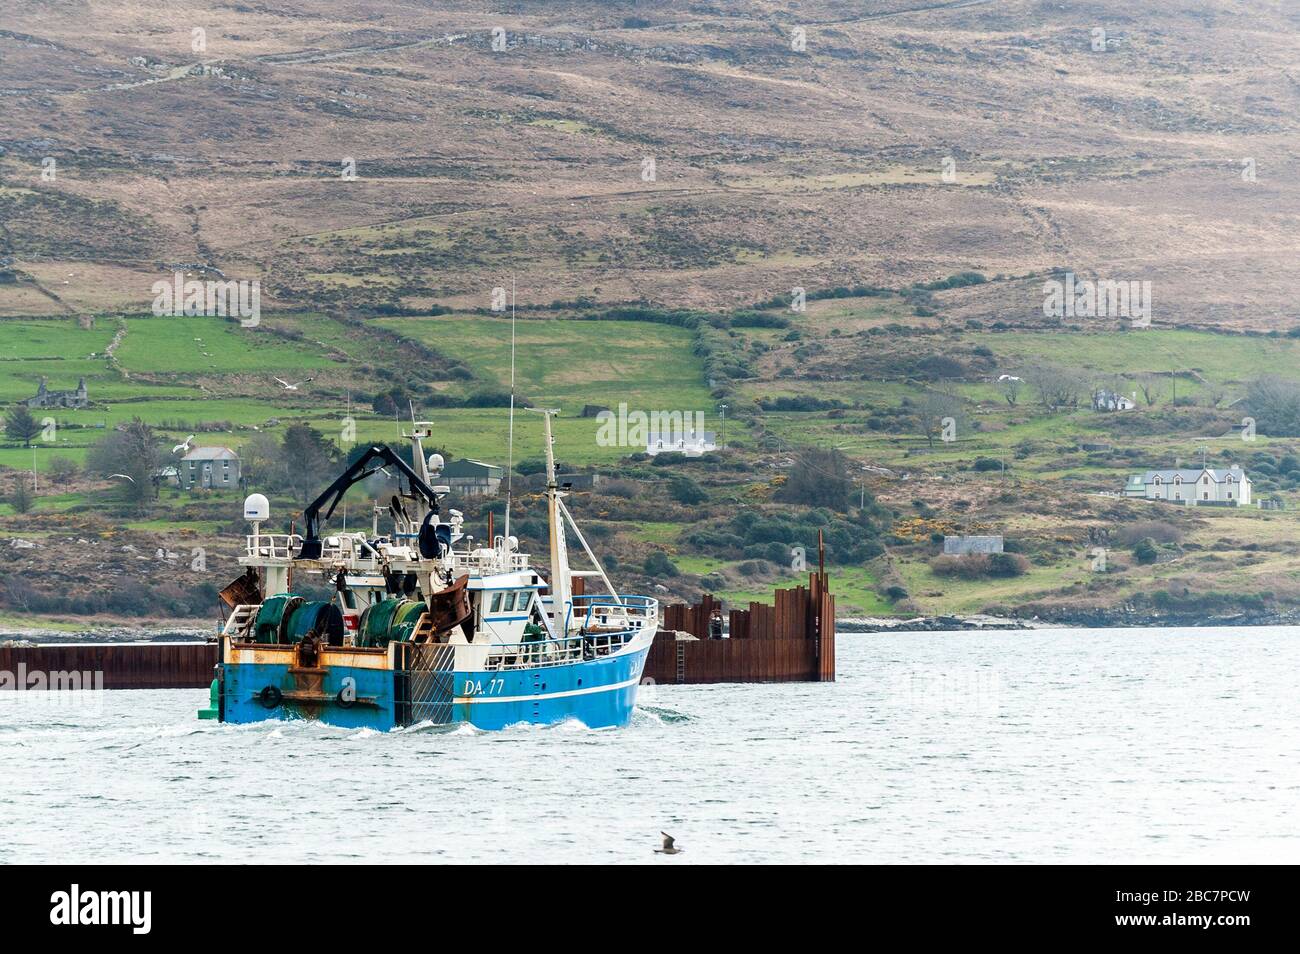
point(257, 507)
point(436, 463)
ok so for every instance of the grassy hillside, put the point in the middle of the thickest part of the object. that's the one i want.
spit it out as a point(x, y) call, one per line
point(1046, 490)
point(918, 171)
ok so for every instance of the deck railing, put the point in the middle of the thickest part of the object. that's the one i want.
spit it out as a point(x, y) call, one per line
point(347, 549)
point(627, 612)
point(490, 562)
point(540, 653)
point(272, 546)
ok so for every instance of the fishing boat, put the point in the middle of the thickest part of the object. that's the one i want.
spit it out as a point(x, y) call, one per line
point(422, 624)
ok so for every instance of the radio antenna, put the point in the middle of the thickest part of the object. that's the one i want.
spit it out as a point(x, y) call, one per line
point(510, 440)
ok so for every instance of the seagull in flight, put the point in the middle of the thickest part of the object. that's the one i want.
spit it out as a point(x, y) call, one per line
point(123, 476)
point(668, 848)
point(183, 448)
point(292, 387)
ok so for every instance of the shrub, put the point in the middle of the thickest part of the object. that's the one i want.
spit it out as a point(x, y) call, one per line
point(1158, 531)
point(975, 566)
point(627, 489)
point(21, 497)
point(895, 593)
point(819, 478)
point(685, 491)
point(63, 469)
point(658, 564)
point(758, 319)
point(1145, 551)
point(1007, 565)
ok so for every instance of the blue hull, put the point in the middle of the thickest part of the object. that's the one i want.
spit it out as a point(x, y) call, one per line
point(600, 693)
point(243, 683)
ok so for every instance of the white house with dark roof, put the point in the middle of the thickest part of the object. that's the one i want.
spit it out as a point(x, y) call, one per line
point(209, 467)
point(1193, 486)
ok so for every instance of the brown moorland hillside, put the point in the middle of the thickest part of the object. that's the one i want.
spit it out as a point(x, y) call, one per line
point(1120, 154)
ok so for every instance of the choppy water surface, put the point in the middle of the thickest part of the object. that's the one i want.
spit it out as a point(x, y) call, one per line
point(1058, 745)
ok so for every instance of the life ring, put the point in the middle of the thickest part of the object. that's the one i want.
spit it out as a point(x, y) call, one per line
point(270, 696)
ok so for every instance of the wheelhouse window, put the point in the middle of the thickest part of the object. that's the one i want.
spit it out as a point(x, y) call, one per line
point(496, 602)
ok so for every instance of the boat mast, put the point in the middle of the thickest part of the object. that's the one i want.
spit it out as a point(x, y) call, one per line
point(560, 581)
point(510, 441)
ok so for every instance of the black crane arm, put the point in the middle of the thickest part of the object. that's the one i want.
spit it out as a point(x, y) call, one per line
point(356, 472)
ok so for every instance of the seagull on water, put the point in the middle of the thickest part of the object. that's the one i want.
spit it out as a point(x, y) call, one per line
point(668, 848)
point(292, 387)
point(184, 448)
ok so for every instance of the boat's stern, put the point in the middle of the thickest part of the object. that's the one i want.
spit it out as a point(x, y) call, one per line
point(341, 685)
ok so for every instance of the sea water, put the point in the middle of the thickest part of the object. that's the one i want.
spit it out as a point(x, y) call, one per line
point(1041, 746)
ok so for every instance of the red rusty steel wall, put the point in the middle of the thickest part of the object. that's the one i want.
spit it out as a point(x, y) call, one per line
point(736, 660)
point(133, 666)
point(792, 640)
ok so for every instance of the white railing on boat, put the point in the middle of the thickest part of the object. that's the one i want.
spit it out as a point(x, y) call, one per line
point(490, 561)
point(598, 611)
point(351, 550)
point(539, 653)
point(272, 546)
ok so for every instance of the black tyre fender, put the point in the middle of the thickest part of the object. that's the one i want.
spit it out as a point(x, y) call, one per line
point(270, 696)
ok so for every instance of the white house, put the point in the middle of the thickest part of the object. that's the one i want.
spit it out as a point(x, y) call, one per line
point(691, 443)
point(209, 467)
point(1104, 400)
point(1192, 486)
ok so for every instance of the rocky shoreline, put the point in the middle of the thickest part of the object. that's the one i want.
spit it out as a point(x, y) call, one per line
point(113, 634)
point(1081, 619)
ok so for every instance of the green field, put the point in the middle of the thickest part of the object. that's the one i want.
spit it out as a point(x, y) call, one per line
point(211, 378)
point(566, 363)
point(160, 362)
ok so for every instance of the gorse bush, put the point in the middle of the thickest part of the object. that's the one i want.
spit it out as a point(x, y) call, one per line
point(977, 566)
